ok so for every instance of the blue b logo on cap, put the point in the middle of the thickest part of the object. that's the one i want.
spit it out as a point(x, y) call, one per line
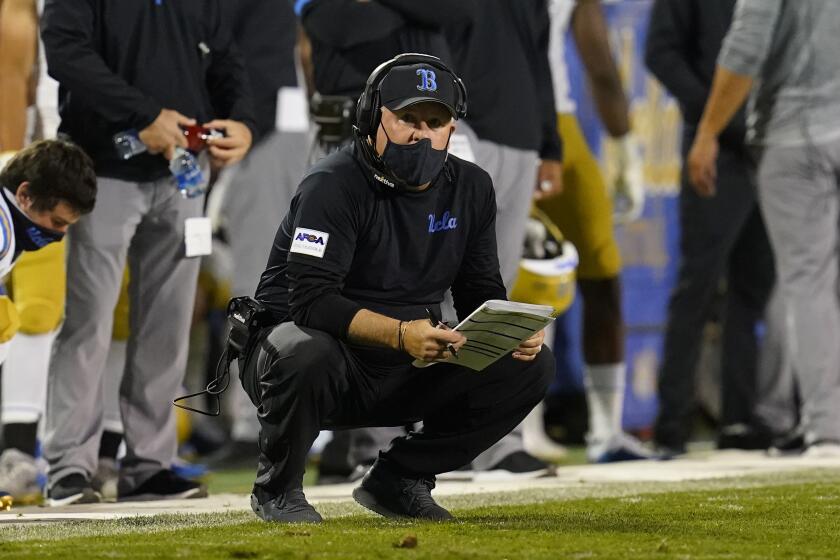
point(427, 80)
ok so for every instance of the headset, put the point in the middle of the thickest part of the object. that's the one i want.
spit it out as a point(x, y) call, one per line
point(368, 112)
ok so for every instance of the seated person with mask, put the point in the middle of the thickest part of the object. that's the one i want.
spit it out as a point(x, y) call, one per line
point(46, 187)
point(361, 255)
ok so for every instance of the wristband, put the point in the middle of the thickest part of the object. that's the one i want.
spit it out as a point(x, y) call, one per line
point(403, 326)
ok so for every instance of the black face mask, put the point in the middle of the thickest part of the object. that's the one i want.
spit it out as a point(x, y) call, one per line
point(29, 236)
point(416, 164)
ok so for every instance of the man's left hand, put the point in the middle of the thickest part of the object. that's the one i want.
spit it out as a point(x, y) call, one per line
point(702, 165)
point(549, 179)
point(529, 348)
point(233, 147)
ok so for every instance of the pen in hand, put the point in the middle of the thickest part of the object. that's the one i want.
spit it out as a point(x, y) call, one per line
point(437, 323)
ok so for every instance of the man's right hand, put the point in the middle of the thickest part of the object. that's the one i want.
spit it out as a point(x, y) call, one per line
point(427, 343)
point(165, 133)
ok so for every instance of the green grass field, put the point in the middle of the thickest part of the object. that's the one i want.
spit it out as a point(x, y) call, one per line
point(780, 516)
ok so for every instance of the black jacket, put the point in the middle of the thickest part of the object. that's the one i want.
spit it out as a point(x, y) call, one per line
point(119, 62)
point(502, 56)
point(684, 39)
point(265, 32)
point(350, 38)
point(349, 243)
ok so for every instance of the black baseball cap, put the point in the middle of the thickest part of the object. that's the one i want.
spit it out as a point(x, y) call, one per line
point(407, 85)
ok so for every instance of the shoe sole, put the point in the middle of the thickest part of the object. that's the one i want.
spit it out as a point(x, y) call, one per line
point(258, 509)
point(80, 498)
point(191, 494)
point(368, 500)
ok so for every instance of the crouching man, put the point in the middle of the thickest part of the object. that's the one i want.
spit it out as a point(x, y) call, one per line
point(45, 187)
point(377, 233)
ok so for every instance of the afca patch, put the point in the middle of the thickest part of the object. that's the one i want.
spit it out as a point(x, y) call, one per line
point(309, 242)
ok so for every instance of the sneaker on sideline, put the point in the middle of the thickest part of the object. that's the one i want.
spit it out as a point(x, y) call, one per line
point(519, 465)
point(822, 450)
point(290, 507)
point(666, 453)
point(619, 447)
point(790, 444)
point(164, 485)
point(744, 436)
point(191, 471)
point(19, 474)
point(398, 495)
point(105, 479)
point(71, 490)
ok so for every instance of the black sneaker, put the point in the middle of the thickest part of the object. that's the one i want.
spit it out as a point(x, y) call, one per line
point(792, 443)
point(165, 485)
point(518, 465)
point(290, 507)
point(666, 453)
point(743, 436)
point(396, 495)
point(668, 448)
point(72, 489)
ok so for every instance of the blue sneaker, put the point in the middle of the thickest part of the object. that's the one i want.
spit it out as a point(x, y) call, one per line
point(188, 470)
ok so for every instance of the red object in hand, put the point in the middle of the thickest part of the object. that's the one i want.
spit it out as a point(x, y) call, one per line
point(197, 137)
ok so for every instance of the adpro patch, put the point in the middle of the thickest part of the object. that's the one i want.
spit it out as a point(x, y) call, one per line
point(309, 242)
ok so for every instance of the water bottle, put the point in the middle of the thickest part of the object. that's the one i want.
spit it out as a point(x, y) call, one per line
point(184, 165)
point(187, 173)
point(128, 143)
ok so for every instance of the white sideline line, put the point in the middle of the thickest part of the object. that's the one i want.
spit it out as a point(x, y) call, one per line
point(697, 466)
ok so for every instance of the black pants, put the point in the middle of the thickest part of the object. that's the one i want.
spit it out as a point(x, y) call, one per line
point(721, 237)
point(303, 380)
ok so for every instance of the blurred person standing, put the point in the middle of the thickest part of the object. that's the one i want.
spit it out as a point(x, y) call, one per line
point(721, 237)
point(584, 213)
point(782, 54)
point(37, 282)
point(178, 67)
point(511, 132)
point(18, 57)
point(254, 195)
point(349, 38)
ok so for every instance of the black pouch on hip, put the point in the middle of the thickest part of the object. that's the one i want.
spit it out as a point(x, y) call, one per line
point(246, 318)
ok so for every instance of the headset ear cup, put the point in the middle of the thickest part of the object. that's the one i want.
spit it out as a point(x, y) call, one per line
point(461, 109)
point(374, 114)
point(362, 116)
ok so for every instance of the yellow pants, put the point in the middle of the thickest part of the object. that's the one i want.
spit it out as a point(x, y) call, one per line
point(583, 212)
point(38, 284)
